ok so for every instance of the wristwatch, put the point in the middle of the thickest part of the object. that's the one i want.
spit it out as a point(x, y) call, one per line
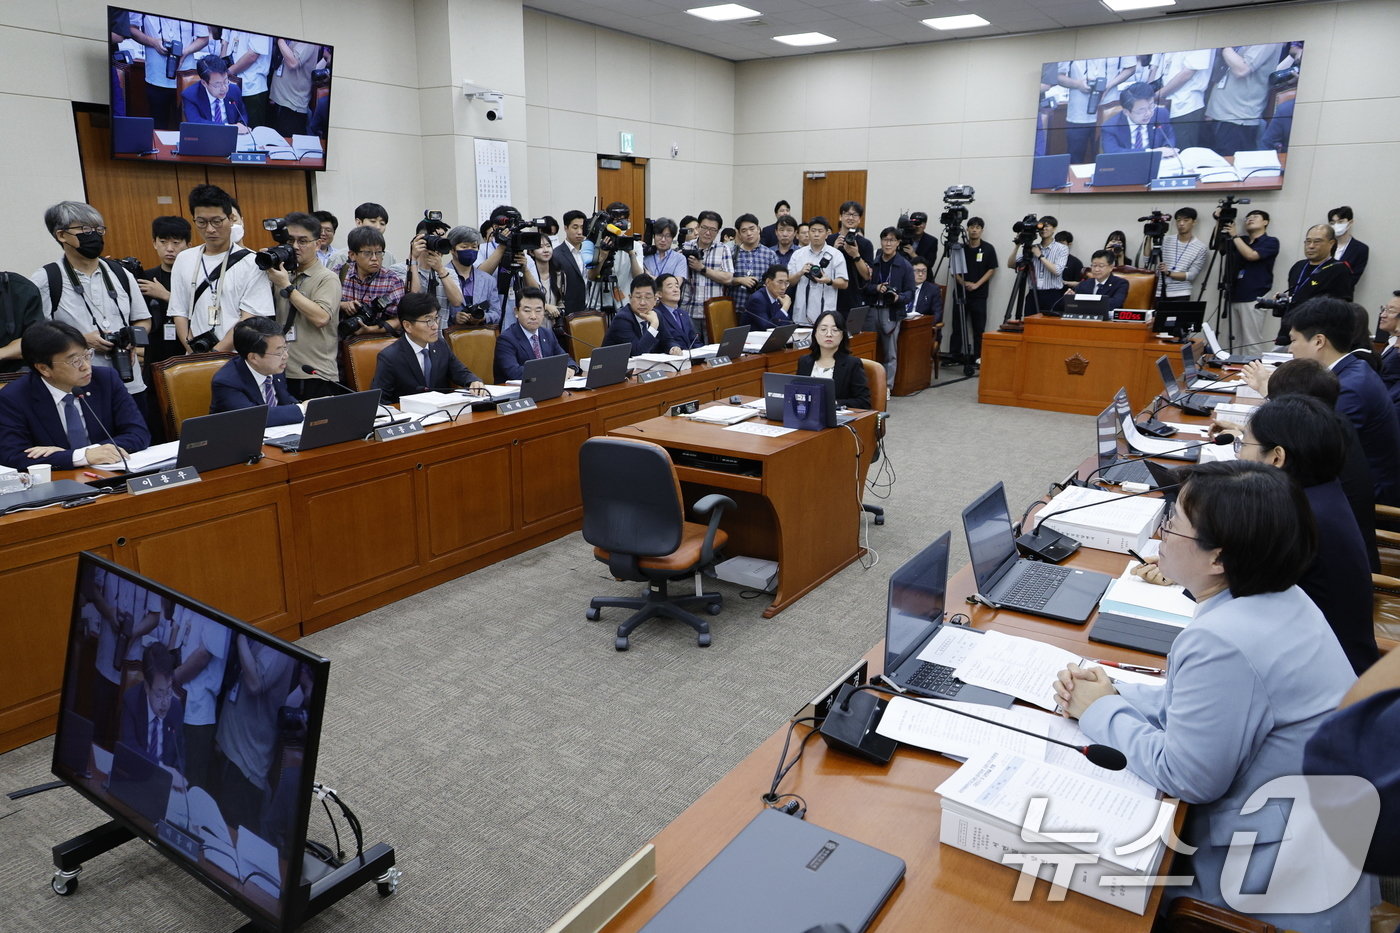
point(287, 292)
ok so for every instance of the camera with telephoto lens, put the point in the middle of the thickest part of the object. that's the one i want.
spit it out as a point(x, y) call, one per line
point(133, 265)
point(907, 228)
point(477, 310)
point(122, 341)
point(1027, 230)
point(436, 244)
point(1276, 306)
point(372, 314)
point(174, 50)
point(816, 271)
point(281, 256)
point(1096, 89)
point(1156, 224)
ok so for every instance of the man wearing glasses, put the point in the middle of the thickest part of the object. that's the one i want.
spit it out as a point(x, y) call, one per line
point(420, 360)
point(711, 266)
point(365, 280)
point(257, 375)
point(215, 286)
point(43, 419)
point(307, 305)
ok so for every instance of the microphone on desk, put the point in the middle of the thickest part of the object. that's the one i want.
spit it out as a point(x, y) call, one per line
point(1220, 440)
point(313, 371)
point(850, 727)
point(1054, 546)
point(81, 394)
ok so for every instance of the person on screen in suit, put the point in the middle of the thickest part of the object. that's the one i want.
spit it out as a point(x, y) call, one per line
point(152, 717)
point(163, 37)
point(831, 358)
point(768, 306)
point(257, 376)
point(675, 323)
point(1348, 249)
point(215, 99)
point(420, 360)
point(1324, 329)
point(638, 323)
point(568, 259)
point(1101, 281)
point(1140, 125)
point(927, 299)
point(1248, 682)
point(527, 338)
point(42, 418)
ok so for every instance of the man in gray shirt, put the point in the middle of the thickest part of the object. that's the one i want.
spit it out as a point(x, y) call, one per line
point(1237, 102)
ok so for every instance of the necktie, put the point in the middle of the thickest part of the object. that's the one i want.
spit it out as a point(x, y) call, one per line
point(535, 345)
point(427, 367)
point(268, 393)
point(1141, 132)
point(77, 431)
point(153, 743)
point(917, 289)
point(1096, 287)
point(218, 111)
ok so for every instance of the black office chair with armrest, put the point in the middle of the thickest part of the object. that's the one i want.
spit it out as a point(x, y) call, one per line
point(634, 517)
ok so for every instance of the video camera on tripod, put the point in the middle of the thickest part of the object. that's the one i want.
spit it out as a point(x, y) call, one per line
point(956, 198)
point(1155, 225)
point(1225, 215)
point(606, 233)
point(1027, 231)
point(516, 237)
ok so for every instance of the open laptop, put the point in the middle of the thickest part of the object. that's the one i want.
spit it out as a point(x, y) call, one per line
point(781, 873)
point(223, 439)
point(541, 380)
point(1116, 464)
point(1237, 359)
point(914, 619)
point(774, 339)
point(1050, 172)
point(1126, 168)
point(855, 320)
point(133, 135)
point(207, 139)
point(1124, 411)
point(1010, 582)
point(1193, 403)
point(775, 397)
point(139, 782)
point(731, 344)
point(1092, 307)
point(1193, 378)
point(333, 420)
point(1177, 317)
point(607, 366)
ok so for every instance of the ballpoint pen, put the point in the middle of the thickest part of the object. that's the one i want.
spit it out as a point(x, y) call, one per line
point(1135, 668)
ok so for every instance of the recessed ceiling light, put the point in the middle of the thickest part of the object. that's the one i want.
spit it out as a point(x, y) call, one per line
point(723, 12)
point(1126, 6)
point(805, 38)
point(965, 21)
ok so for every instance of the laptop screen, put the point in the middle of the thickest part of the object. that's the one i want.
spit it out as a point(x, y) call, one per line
point(1108, 431)
point(1188, 365)
point(1164, 366)
point(917, 590)
point(1212, 341)
point(990, 544)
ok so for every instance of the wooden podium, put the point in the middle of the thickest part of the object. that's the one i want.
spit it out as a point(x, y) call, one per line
point(1057, 364)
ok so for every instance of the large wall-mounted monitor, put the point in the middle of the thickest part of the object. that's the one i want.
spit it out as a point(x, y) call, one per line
point(185, 91)
point(197, 732)
point(1214, 119)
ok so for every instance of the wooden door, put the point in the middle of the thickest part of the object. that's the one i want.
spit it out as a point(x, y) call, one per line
point(823, 192)
point(625, 180)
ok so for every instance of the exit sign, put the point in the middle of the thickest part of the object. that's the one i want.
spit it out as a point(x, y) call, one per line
point(624, 143)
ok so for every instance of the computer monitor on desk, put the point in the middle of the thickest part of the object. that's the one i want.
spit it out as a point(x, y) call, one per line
point(775, 386)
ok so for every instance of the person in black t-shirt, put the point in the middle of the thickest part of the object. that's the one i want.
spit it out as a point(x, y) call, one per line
point(169, 237)
point(981, 258)
point(859, 252)
point(1074, 267)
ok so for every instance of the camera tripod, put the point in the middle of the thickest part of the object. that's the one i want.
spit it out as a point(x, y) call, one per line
point(1016, 304)
point(1223, 247)
point(954, 241)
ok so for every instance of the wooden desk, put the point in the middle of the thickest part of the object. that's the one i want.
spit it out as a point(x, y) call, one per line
point(775, 519)
point(915, 370)
point(1079, 185)
point(167, 153)
point(1071, 366)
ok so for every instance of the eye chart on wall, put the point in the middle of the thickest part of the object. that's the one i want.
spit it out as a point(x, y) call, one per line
point(492, 176)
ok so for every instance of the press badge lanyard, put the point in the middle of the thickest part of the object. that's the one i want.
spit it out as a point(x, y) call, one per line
point(78, 287)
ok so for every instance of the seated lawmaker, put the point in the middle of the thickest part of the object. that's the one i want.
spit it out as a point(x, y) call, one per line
point(42, 420)
point(215, 99)
point(1101, 281)
point(638, 323)
point(767, 307)
point(257, 376)
point(1140, 125)
point(1247, 684)
point(420, 360)
point(527, 338)
point(831, 358)
point(152, 716)
point(676, 324)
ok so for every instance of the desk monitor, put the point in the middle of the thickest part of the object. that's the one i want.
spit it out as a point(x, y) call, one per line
point(775, 397)
point(608, 365)
point(1050, 172)
point(1177, 318)
point(209, 442)
point(133, 135)
point(207, 139)
point(159, 777)
point(1126, 168)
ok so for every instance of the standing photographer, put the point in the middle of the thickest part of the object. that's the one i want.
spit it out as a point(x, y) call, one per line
point(1317, 274)
point(858, 252)
point(919, 242)
point(711, 266)
point(1047, 262)
point(981, 260)
point(818, 272)
point(308, 296)
point(216, 285)
point(890, 291)
point(1255, 254)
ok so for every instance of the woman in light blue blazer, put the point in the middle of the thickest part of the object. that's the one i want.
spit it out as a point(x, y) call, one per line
point(1248, 682)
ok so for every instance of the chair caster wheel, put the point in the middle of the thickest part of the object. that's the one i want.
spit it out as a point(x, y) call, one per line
point(714, 609)
point(593, 615)
point(879, 519)
point(63, 886)
point(703, 640)
point(388, 882)
point(621, 643)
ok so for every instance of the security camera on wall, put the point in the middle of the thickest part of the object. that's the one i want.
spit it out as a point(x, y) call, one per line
point(495, 107)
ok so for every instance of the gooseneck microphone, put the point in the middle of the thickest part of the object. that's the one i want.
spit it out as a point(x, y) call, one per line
point(850, 727)
point(1220, 440)
point(81, 394)
point(313, 371)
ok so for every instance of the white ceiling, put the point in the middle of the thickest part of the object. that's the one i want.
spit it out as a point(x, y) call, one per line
point(855, 24)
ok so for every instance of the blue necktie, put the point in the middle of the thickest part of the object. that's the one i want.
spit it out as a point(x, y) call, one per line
point(77, 430)
point(218, 111)
point(269, 394)
point(427, 368)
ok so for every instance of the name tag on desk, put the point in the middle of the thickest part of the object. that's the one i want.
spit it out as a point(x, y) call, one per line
point(166, 479)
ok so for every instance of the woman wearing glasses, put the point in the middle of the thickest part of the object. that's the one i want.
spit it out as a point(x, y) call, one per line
point(1248, 682)
point(831, 358)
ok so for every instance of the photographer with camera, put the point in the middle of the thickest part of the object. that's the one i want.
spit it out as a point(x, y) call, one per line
point(751, 260)
point(1088, 81)
point(710, 264)
point(307, 306)
point(616, 255)
point(1255, 252)
point(858, 252)
point(914, 241)
point(888, 293)
point(216, 285)
point(369, 293)
point(457, 284)
point(1047, 263)
point(97, 296)
point(664, 258)
point(1317, 274)
point(819, 273)
point(170, 47)
point(170, 236)
point(367, 214)
point(508, 239)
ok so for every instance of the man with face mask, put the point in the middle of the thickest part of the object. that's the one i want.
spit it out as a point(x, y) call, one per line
point(1349, 250)
point(98, 297)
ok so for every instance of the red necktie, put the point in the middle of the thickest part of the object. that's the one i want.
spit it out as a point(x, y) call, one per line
point(535, 345)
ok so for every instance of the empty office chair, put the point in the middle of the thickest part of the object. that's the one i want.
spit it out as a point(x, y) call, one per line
point(183, 387)
point(586, 331)
point(879, 400)
point(1142, 289)
point(634, 517)
point(719, 317)
point(476, 348)
point(359, 357)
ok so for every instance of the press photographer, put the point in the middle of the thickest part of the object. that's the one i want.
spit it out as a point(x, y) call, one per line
point(888, 294)
point(661, 255)
point(503, 255)
point(611, 255)
point(1316, 274)
point(818, 272)
point(914, 240)
point(306, 303)
point(370, 293)
point(980, 258)
point(216, 285)
point(857, 251)
point(466, 295)
point(1035, 246)
point(1254, 254)
point(710, 265)
point(170, 236)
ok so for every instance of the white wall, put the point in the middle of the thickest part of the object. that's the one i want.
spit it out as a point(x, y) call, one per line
point(921, 118)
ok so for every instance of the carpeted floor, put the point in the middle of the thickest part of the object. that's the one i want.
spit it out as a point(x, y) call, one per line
point(495, 738)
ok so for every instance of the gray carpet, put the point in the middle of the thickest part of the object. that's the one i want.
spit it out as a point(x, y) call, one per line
point(495, 738)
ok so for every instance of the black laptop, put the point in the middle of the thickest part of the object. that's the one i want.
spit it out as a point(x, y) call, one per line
point(775, 397)
point(1050, 172)
point(207, 139)
point(1009, 582)
point(1126, 168)
point(777, 339)
point(1193, 403)
point(333, 420)
point(541, 380)
point(1194, 379)
point(607, 366)
point(139, 782)
point(133, 135)
point(914, 618)
point(223, 439)
point(1115, 463)
point(731, 344)
point(782, 874)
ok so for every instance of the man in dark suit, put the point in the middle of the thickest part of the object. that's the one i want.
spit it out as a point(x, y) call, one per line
point(1390, 357)
point(258, 375)
point(527, 338)
point(421, 359)
point(767, 307)
point(215, 99)
point(768, 236)
point(1112, 289)
point(152, 718)
point(42, 417)
point(927, 299)
point(1140, 125)
point(1324, 329)
point(638, 323)
point(568, 260)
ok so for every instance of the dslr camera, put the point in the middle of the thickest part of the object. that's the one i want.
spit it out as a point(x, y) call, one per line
point(281, 256)
point(817, 271)
point(477, 310)
point(204, 343)
point(1096, 88)
point(174, 50)
point(1276, 306)
point(434, 242)
point(372, 314)
point(122, 341)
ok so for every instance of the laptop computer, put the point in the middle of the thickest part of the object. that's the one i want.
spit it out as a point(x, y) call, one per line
point(775, 339)
point(1114, 452)
point(1193, 378)
point(542, 379)
point(781, 873)
point(333, 420)
point(1008, 581)
point(1177, 317)
point(731, 344)
point(133, 135)
point(1050, 172)
point(139, 782)
point(1237, 359)
point(1126, 168)
point(1124, 412)
point(607, 366)
point(914, 619)
point(1092, 307)
point(775, 397)
point(223, 439)
point(207, 139)
point(1193, 403)
point(855, 320)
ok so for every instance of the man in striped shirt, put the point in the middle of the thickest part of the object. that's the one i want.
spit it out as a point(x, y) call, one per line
point(1183, 256)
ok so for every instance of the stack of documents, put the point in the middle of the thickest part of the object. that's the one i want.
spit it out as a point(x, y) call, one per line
point(723, 414)
point(1026, 668)
point(645, 362)
point(1116, 522)
point(427, 403)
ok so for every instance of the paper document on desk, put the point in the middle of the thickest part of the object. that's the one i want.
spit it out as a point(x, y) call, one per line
point(709, 349)
point(274, 431)
point(1257, 163)
point(723, 414)
point(1144, 444)
point(502, 391)
point(153, 456)
point(1117, 522)
point(763, 430)
point(1191, 430)
point(168, 137)
point(1234, 413)
point(1130, 595)
point(1026, 668)
point(1083, 170)
point(576, 382)
point(951, 647)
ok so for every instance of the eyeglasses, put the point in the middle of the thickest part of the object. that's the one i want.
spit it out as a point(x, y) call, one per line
point(1169, 513)
point(304, 240)
point(371, 254)
point(205, 223)
point(709, 228)
point(78, 362)
point(432, 322)
point(282, 352)
point(85, 228)
point(1240, 444)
